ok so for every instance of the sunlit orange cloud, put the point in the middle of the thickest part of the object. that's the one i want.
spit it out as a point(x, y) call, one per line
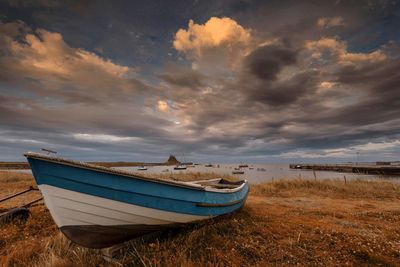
point(215, 32)
point(70, 73)
point(339, 49)
point(219, 43)
point(51, 54)
point(162, 106)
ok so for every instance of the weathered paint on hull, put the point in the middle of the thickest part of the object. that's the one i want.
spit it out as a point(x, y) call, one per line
point(99, 236)
point(98, 208)
point(96, 222)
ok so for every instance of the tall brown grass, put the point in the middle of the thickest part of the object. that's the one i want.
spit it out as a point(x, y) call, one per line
point(8, 178)
point(285, 222)
point(14, 182)
point(365, 189)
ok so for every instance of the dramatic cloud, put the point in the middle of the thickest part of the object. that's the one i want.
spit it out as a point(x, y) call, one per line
point(220, 41)
point(339, 49)
point(330, 22)
point(223, 33)
point(261, 82)
point(47, 52)
point(267, 61)
point(42, 63)
point(183, 77)
point(50, 86)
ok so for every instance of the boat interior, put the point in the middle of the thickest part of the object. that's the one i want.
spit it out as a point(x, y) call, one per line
point(210, 184)
point(219, 183)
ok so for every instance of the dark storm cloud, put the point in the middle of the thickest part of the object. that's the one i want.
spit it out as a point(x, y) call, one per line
point(382, 101)
point(375, 91)
point(369, 73)
point(267, 61)
point(181, 77)
point(285, 92)
point(308, 122)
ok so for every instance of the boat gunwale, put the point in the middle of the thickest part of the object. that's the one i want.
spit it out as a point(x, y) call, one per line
point(84, 165)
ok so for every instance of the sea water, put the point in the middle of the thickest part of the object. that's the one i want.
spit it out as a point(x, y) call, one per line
point(258, 173)
point(255, 173)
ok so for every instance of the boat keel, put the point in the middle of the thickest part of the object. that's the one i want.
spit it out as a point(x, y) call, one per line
point(98, 236)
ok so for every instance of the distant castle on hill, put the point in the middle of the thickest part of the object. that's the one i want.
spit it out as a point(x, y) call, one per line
point(172, 161)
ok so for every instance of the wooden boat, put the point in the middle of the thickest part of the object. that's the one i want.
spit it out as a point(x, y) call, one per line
point(142, 168)
point(238, 172)
point(99, 207)
point(180, 167)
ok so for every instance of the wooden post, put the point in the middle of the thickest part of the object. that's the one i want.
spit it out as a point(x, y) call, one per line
point(110, 254)
point(315, 175)
point(345, 181)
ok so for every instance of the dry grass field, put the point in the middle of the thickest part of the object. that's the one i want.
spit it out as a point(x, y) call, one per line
point(297, 222)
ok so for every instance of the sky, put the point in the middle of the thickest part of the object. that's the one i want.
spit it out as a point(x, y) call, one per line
point(207, 81)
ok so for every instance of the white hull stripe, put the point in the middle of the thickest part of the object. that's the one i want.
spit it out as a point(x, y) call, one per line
point(70, 208)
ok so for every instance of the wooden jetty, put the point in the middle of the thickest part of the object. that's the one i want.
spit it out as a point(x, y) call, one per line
point(352, 168)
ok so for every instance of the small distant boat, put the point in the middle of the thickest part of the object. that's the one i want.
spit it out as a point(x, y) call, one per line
point(98, 207)
point(238, 172)
point(142, 168)
point(180, 167)
point(261, 169)
point(243, 166)
point(208, 165)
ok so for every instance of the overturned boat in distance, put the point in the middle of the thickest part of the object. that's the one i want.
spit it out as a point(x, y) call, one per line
point(98, 207)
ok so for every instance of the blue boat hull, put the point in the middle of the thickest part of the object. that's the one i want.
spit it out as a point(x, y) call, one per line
point(98, 207)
